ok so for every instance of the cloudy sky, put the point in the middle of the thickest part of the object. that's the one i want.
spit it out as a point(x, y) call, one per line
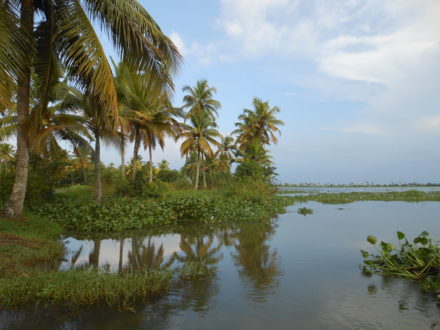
point(357, 81)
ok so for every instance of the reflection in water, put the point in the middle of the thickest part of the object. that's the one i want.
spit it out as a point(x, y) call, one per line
point(145, 256)
point(258, 263)
point(320, 285)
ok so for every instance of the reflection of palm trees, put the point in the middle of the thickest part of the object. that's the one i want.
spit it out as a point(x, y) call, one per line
point(94, 254)
point(144, 257)
point(259, 263)
point(198, 252)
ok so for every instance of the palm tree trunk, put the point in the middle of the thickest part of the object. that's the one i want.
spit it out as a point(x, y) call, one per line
point(122, 151)
point(204, 172)
point(151, 162)
point(123, 162)
point(97, 160)
point(14, 206)
point(137, 143)
point(85, 176)
point(121, 257)
point(196, 186)
point(94, 256)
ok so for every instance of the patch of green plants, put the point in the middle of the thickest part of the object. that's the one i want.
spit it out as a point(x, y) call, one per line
point(418, 260)
point(123, 214)
point(304, 211)
point(344, 198)
point(83, 288)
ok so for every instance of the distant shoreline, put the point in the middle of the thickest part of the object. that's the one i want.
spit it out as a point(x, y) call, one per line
point(317, 185)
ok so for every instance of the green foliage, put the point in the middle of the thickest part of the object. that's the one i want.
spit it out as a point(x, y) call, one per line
point(419, 260)
point(249, 190)
point(141, 188)
point(304, 211)
point(170, 176)
point(122, 213)
point(84, 288)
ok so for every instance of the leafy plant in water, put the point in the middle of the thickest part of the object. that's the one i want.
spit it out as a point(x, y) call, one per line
point(304, 211)
point(419, 260)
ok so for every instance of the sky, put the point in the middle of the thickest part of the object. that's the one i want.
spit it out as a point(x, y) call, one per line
point(357, 81)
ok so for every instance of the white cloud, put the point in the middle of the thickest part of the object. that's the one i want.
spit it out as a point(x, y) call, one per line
point(178, 41)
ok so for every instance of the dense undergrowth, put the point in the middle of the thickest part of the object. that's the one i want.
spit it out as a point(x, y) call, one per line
point(234, 203)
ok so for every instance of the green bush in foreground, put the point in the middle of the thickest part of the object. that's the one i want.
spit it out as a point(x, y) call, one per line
point(419, 260)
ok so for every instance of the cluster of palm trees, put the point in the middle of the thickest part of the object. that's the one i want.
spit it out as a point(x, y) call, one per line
point(56, 84)
point(38, 36)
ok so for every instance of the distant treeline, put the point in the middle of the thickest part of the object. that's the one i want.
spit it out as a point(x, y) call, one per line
point(410, 184)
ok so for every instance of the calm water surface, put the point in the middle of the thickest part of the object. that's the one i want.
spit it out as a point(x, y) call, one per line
point(291, 272)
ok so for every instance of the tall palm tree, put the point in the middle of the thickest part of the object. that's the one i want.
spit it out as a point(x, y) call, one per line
point(199, 100)
point(147, 109)
point(198, 137)
point(259, 125)
point(37, 33)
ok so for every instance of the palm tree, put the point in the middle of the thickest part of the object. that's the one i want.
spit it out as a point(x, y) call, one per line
point(147, 108)
point(226, 150)
point(199, 100)
point(34, 34)
point(198, 137)
point(259, 125)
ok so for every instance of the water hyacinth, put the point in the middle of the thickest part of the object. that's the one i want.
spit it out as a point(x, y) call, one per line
point(419, 260)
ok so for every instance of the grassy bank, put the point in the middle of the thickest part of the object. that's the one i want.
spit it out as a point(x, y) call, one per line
point(344, 198)
point(29, 244)
point(82, 288)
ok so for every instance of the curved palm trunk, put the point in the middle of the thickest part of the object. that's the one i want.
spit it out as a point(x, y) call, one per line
point(14, 206)
point(150, 151)
point(196, 186)
point(137, 144)
point(97, 161)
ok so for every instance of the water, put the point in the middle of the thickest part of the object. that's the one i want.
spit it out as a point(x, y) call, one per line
point(335, 190)
point(292, 272)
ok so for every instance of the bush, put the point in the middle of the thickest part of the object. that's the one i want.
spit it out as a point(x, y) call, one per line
point(169, 176)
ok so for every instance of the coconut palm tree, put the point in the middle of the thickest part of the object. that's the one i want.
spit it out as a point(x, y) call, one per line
point(37, 33)
point(199, 100)
point(259, 125)
point(198, 137)
point(147, 109)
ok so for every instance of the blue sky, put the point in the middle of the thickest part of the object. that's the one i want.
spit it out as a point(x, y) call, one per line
point(357, 81)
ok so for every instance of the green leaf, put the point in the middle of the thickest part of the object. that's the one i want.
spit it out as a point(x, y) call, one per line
point(424, 233)
point(371, 239)
point(400, 235)
point(365, 254)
